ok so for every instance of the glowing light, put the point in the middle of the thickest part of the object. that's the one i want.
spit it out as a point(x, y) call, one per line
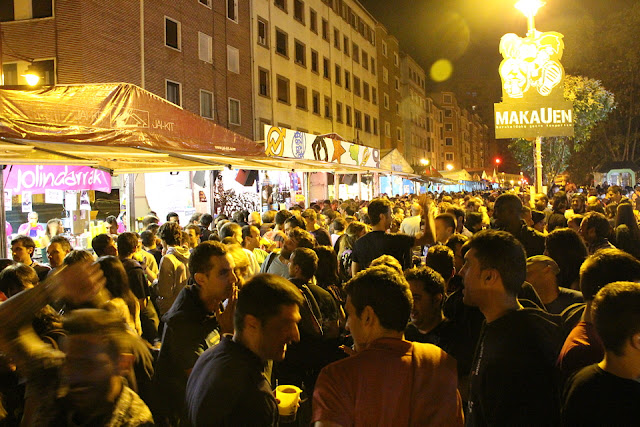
point(498, 161)
point(441, 70)
point(425, 162)
point(449, 167)
point(32, 79)
point(529, 8)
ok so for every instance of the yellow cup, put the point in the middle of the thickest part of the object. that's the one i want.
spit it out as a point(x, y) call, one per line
point(289, 397)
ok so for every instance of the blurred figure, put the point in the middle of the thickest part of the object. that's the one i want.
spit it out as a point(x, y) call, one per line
point(122, 299)
point(32, 228)
point(626, 232)
point(103, 244)
point(54, 227)
point(173, 268)
point(594, 230)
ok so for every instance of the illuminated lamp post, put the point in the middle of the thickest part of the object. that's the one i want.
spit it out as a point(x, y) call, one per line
point(529, 8)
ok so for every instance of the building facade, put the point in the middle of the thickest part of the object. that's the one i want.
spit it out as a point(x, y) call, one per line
point(413, 109)
point(315, 68)
point(391, 126)
point(194, 53)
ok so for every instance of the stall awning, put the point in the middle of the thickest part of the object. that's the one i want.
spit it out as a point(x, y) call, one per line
point(117, 127)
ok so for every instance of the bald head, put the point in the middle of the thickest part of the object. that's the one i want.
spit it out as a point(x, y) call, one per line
point(415, 209)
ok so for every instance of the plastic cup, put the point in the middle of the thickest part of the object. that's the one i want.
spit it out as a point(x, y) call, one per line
point(289, 397)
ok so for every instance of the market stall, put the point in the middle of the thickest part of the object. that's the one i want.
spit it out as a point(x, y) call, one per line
point(119, 129)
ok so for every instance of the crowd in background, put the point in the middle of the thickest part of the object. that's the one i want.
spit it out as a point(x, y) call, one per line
point(481, 308)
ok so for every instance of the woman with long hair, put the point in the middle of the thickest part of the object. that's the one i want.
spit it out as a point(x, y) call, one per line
point(627, 233)
point(122, 298)
point(354, 231)
point(567, 249)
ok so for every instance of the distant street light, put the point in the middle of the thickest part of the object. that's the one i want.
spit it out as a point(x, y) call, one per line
point(424, 162)
point(449, 167)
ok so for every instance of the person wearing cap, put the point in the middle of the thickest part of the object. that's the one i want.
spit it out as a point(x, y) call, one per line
point(542, 273)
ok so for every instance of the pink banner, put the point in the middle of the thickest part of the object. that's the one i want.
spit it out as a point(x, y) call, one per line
point(38, 178)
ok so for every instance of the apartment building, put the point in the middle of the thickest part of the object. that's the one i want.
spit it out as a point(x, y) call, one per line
point(391, 125)
point(435, 134)
point(315, 68)
point(463, 137)
point(194, 53)
point(413, 109)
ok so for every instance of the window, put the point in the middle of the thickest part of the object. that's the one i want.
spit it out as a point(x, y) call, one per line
point(234, 112)
point(347, 115)
point(206, 104)
point(282, 4)
point(386, 101)
point(373, 66)
point(336, 38)
point(347, 80)
point(345, 44)
point(326, 70)
point(448, 127)
point(397, 107)
point(283, 89)
point(338, 75)
point(356, 52)
point(172, 33)
point(448, 112)
point(314, 61)
point(375, 126)
point(367, 123)
point(232, 10)
point(263, 32)
point(301, 97)
point(399, 134)
point(357, 119)
point(387, 129)
point(298, 11)
point(365, 91)
point(313, 21)
point(448, 142)
point(325, 30)
point(315, 99)
point(10, 74)
point(356, 86)
point(282, 42)
point(385, 75)
point(374, 96)
point(233, 59)
point(263, 82)
point(365, 60)
point(397, 83)
point(300, 53)
point(396, 59)
point(338, 112)
point(448, 157)
point(446, 99)
point(384, 49)
point(205, 47)
point(173, 92)
point(327, 107)
point(205, 3)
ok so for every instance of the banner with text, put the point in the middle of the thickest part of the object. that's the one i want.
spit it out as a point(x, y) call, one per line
point(37, 179)
point(532, 87)
point(288, 143)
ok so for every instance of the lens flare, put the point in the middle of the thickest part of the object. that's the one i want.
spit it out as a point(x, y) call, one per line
point(441, 70)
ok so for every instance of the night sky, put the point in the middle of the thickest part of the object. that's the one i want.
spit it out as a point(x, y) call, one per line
point(468, 32)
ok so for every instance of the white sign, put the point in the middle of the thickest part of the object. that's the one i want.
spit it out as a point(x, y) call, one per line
point(27, 203)
point(54, 197)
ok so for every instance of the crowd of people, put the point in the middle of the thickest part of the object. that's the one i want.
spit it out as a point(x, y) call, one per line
point(477, 309)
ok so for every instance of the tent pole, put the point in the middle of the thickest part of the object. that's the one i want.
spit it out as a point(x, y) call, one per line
point(3, 217)
point(212, 192)
point(131, 202)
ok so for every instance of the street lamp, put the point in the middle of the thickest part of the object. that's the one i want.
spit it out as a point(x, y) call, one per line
point(449, 167)
point(529, 8)
point(424, 162)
